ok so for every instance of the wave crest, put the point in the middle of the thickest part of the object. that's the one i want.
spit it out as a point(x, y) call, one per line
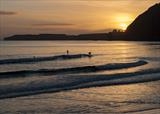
point(70, 82)
point(40, 59)
point(113, 66)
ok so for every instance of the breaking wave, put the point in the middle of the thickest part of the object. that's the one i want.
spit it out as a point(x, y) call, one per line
point(113, 66)
point(60, 82)
point(70, 82)
point(40, 59)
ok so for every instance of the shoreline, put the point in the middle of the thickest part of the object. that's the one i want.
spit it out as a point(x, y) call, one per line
point(149, 111)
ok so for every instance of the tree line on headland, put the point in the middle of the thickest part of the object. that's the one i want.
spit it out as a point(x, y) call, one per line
point(146, 27)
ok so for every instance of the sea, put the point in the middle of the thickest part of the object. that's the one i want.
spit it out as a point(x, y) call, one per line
point(79, 77)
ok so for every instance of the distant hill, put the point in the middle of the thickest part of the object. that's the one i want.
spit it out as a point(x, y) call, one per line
point(146, 26)
point(38, 37)
point(95, 36)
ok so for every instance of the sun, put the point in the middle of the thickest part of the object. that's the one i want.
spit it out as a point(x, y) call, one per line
point(123, 26)
point(123, 20)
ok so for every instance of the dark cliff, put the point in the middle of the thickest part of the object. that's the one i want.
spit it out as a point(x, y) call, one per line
point(146, 26)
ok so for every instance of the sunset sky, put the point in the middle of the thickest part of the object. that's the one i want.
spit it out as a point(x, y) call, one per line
point(68, 16)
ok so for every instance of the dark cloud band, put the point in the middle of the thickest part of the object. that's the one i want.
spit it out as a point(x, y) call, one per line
point(7, 13)
point(54, 24)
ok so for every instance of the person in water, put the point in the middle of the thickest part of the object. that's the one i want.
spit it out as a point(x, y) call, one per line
point(67, 52)
point(89, 54)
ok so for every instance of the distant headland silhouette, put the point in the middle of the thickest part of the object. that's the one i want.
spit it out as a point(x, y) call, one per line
point(146, 27)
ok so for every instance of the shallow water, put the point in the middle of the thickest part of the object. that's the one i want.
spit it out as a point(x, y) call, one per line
point(112, 99)
point(128, 71)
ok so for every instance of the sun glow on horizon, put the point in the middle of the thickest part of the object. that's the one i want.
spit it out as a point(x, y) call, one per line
point(123, 26)
point(123, 20)
point(68, 16)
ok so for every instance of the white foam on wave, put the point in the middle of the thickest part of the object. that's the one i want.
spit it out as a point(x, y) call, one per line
point(69, 82)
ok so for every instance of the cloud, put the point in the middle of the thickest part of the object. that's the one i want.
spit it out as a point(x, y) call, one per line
point(103, 30)
point(7, 13)
point(55, 24)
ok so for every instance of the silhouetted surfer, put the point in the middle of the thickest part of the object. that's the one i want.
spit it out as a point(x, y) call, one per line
point(67, 52)
point(89, 54)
